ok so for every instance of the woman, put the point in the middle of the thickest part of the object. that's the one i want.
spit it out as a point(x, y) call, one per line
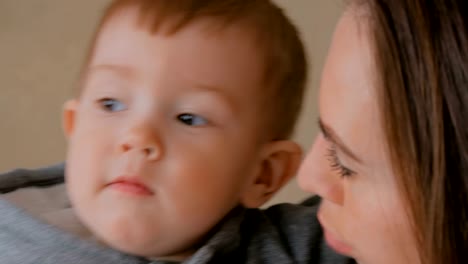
point(391, 161)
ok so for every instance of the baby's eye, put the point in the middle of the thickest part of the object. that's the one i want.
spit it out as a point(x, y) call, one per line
point(192, 120)
point(111, 105)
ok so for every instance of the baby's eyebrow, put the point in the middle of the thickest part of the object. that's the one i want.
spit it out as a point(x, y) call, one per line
point(216, 90)
point(121, 70)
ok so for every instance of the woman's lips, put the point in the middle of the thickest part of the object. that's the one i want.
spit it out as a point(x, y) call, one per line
point(332, 241)
point(130, 185)
point(336, 244)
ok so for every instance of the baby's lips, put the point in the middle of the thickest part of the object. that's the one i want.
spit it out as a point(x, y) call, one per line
point(130, 185)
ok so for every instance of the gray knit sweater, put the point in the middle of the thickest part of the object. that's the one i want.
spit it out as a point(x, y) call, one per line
point(282, 234)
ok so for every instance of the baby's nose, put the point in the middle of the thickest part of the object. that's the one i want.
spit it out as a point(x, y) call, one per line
point(143, 140)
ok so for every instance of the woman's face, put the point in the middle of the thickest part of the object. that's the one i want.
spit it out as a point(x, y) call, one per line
point(362, 211)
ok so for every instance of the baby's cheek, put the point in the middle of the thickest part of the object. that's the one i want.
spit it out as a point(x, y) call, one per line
point(81, 178)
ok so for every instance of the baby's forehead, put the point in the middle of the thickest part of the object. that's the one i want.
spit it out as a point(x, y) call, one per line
point(158, 23)
point(196, 49)
point(125, 20)
point(224, 58)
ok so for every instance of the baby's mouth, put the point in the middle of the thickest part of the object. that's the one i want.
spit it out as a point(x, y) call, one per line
point(130, 185)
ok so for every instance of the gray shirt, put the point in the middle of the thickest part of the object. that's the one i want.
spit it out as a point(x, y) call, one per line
point(281, 234)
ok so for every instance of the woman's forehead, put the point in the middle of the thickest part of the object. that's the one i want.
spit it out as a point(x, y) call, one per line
point(348, 96)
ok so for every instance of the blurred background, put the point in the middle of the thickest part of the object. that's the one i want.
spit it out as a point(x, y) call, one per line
point(42, 45)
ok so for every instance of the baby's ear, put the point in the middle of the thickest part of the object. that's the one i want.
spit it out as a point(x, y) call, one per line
point(279, 163)
point(69, 116)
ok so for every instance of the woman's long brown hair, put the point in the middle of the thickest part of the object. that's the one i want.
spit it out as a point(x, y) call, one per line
point(421, 52)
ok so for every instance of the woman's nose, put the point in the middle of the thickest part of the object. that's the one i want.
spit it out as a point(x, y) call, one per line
point(144, 139)
point(317, 176)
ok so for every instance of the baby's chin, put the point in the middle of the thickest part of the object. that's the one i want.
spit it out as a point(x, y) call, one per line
point(138, 248)
point(143, 242)
point(148, 250)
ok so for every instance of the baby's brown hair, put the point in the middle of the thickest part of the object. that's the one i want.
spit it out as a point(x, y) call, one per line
point(278, 41)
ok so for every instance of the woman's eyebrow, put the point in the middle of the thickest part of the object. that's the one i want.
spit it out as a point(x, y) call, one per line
point(330, 134)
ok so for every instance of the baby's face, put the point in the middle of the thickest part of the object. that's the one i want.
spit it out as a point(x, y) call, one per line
point(162, 140)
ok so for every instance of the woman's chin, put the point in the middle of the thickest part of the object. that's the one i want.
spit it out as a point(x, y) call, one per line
point(337, 245)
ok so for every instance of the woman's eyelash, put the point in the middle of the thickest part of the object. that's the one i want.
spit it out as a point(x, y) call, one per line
point(336, 165)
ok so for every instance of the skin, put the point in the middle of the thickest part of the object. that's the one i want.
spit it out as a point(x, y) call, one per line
point(171, 114)
point(362, 210)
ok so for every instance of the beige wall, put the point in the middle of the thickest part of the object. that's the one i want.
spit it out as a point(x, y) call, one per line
point(41, 47)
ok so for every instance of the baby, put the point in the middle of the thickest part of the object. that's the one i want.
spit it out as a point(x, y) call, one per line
point(180, 123)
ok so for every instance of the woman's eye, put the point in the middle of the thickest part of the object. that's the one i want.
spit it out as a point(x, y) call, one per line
point(192, 120)
point(336, 164)
point(111, 105)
